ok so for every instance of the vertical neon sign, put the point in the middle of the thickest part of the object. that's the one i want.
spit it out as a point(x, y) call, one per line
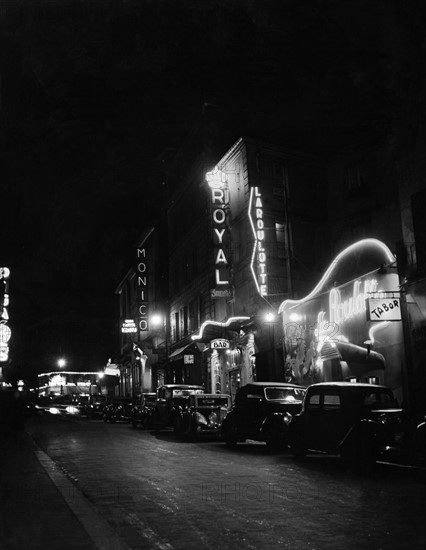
point(5, 332)
point(219, 199)
point(258, 258)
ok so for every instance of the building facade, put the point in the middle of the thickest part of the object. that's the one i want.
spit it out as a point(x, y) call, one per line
point(234, 256)
point(142, 321)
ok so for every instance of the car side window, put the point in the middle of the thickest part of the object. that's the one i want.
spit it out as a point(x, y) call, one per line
point(313, 402)
point(331, 401)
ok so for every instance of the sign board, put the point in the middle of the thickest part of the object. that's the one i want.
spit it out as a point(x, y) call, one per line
point(221, 293)
point(384, 309)
point(112, 371)
point(219, 343)
point(128, 326)
point(188, 359)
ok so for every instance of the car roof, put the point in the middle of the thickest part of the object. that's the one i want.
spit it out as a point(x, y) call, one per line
point(348, 385)
point(182, 386)
point(273, 384)
point(213, 395)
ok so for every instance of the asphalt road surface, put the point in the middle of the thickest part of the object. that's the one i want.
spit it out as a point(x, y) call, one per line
point(147, 491)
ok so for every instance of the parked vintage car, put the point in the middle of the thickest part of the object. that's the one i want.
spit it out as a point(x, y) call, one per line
point(204, 414)
point(95, 407)
point(118, 410)
point(172, 399)
point(142, 410)
point(262, 411)
point(361, 422)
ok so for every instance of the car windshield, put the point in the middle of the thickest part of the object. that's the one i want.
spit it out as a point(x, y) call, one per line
point(291, 395)
point(378, 399)
point(212, 401)
point(186, 392)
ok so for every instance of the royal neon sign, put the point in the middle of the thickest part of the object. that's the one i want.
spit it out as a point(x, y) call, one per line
point(219, 199)
point(258, 264)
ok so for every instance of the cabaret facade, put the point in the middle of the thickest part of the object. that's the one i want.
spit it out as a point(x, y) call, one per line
point(349, 327)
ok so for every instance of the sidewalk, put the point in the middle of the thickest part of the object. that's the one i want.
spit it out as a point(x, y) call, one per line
point(33, 513)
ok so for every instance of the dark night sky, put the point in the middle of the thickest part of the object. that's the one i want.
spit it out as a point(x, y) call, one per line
point(95, 94)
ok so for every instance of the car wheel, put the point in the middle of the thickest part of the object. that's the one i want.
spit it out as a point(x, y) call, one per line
point(272, 443)
point(177, 427)
point(230, 437)
point(363, 459)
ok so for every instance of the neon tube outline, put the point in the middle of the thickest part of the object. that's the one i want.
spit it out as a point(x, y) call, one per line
point(217, 324)
point(332, 266)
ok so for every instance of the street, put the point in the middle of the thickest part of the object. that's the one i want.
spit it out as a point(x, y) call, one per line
point(153, 491)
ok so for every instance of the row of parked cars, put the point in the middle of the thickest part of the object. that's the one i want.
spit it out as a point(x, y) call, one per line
point(360, 422)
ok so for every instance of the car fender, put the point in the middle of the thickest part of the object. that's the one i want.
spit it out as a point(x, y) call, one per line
point(363, 433)
point(276, 423)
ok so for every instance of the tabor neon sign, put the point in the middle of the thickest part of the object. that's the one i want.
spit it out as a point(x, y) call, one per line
point(219, 200)
point(258, 258)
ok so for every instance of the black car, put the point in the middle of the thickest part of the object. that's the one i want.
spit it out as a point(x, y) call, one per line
point(361, 422)
point(172, 399)
point(118, 410)
point(142, 410)
point(204, 414)
point(262, 411)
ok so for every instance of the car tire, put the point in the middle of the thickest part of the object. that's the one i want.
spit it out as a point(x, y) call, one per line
point(272, 443)
point(230, 437)
point(363, 459)
point(177, 427)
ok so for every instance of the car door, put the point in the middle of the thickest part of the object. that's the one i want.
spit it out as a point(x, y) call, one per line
point(332, 421)
point(164, 395)
point(311, 420)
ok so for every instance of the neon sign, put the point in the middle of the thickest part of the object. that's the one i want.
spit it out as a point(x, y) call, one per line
point(5, 332)
point(128, 326)
point(141, 273)
point(342, 310)
point(364, 243)
point(258, 257)
point(219, 201)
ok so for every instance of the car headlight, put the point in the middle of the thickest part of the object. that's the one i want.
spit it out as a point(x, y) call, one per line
point(201, 419)
point(213, 418)
point(287, 418)
point(54, 410)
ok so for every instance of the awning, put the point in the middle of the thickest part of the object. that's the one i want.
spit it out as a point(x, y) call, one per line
point(213, 329)
point(178, 353)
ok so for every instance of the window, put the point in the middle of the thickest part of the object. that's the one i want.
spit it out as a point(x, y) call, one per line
point(185, 320)
point(418, 206)
point(280, 239)
point(314, 401)
point(331, 401)
point(176, 326)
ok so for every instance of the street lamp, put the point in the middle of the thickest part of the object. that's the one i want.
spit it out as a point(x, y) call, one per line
point(61, 363)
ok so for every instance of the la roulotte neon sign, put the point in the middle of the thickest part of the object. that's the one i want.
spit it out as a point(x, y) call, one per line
point(258, 264)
